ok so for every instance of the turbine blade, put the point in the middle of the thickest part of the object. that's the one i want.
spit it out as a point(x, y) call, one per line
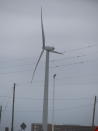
point(57, 52)
point(42, 28)
point(37, 64)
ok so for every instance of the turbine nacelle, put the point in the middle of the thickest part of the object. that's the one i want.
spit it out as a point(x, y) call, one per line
point(49, 48)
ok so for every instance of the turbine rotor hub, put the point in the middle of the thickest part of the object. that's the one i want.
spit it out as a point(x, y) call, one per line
point(49, 48)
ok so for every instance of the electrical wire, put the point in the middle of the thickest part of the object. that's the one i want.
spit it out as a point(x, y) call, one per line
point(74, 63)
point(82, 48)
point(15, 72)
point(39, 99)
point(18, 65)
point(57, 66)
point(70, 64)
point(56, 109)
point(64, 58)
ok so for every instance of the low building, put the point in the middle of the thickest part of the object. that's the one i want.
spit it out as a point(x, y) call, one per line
point(38, 127)
point(6, 129)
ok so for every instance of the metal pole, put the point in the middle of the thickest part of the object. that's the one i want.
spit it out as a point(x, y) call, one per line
point(12, 125)
point(93, 120)
point(45, 103)
point(53, 101)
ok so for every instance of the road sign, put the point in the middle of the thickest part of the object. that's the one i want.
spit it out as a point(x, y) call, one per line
point(23, 126)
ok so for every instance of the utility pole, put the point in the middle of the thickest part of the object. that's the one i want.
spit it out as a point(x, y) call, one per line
point(0, 113)
point(94, 108)
point(53, 101)
point(12, 124)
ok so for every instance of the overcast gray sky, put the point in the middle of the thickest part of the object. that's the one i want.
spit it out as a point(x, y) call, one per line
point(71, 27)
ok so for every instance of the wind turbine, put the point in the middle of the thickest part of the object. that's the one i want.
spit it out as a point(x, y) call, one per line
point(48, 50)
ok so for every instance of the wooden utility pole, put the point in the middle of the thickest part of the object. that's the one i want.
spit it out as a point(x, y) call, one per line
point(12, 129)
point(0, 113)
point(0, 116)
point(94, 108)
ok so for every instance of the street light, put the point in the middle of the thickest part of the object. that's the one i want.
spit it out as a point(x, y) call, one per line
point(53, 102)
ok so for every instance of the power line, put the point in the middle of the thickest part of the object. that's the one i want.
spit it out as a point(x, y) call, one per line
point(53, 60)
point(56, 109)
point(75, 76)
point(6, 105)
point(57, 66)
point(78, 98)
point(17, 59)
point(74, 63)
point(70, 64)
point(82, 48)
point(70, 57)
point(16, 66)
point(15, 72)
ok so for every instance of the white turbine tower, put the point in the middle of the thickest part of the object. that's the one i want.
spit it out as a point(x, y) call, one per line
point(48, 49)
